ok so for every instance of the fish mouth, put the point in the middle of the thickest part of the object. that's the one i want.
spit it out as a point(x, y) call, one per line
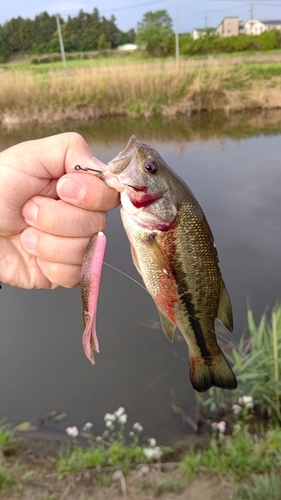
point(136, 188)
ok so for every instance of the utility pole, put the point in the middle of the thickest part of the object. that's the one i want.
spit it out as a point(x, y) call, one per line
point(61, 41)
point(177, 34)
point(206, 20)
point(252, 11)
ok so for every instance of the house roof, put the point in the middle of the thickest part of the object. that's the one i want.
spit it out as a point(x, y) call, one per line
point(271, 22)
point(203, 29)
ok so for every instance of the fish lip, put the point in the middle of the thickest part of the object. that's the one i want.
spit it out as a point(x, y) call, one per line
point(136, 188)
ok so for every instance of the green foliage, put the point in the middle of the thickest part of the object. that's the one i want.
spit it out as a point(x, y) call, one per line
point(5, 478)
point(263, 488)
point(155, 33)
point(212, 43)
point(80, 33)
point(241, 454)
point(256, 362)
point(81, 458)
point(7, 439)
point(118, 455)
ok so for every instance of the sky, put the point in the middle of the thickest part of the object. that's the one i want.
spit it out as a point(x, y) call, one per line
point(191, 14)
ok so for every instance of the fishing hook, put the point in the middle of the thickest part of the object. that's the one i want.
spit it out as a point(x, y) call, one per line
point(78, 167)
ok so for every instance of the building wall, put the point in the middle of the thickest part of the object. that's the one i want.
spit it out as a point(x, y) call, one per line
point(228, 27)
point(254, 27)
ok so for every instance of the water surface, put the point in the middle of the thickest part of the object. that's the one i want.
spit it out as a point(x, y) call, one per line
point(233, 168)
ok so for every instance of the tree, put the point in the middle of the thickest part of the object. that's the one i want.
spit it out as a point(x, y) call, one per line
point(127, 36)
point(5, 48)
point(155, 33)
point(112, 33)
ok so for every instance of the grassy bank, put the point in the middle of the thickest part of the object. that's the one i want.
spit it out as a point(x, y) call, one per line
point(136, 89)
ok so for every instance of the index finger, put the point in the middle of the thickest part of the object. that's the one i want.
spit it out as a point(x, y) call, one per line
point(87, 191)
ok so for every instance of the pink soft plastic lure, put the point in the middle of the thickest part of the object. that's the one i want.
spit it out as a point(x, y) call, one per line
point(93, 260)
point(91, 273)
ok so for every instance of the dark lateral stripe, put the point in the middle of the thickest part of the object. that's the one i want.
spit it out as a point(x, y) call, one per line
point(186, 299)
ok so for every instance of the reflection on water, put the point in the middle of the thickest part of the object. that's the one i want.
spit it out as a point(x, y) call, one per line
point(236, 178)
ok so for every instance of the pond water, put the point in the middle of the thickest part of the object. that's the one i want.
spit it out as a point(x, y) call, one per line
point(232, 165)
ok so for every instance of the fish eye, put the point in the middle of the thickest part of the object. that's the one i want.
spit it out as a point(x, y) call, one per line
point(151, 167)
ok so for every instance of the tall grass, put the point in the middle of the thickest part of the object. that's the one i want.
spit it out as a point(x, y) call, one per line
point(237, 456)
point(256, 362)
point(133, 89)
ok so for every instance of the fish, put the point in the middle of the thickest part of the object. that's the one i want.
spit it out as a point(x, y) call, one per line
point(174, 251)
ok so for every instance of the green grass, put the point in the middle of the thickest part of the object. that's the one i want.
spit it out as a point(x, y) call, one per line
point(80, 459)
point(75, 63)
point(7, 439)
point(262, 71)
point(236, 456)
point(119, 456)
point(171, 485)
point(267, 487)
point(256, 363)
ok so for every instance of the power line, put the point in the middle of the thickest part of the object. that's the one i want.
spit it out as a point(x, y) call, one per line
point(132, 6)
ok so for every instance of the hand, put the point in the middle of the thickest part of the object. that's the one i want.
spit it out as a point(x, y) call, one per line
point(46, 214)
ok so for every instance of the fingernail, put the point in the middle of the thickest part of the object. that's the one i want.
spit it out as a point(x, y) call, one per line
point(29, 239)
point(30, 211)
point(72, 190)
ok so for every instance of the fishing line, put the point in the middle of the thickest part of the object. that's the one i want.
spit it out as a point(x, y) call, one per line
point(124, 274)
point(213, 331)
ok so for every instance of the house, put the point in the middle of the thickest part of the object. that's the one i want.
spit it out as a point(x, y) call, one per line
point(199, 32)
point(258, 26)
point(230, 26)
point(128, 47)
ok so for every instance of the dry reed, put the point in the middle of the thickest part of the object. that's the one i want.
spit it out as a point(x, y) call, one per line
point(142, 89)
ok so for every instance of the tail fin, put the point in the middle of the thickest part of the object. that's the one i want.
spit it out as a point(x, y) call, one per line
point(205, 373)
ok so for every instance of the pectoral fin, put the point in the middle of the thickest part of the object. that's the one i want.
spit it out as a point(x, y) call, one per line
point(157, 255)
point(135, 258)
point(225, 310)
point(167, 325)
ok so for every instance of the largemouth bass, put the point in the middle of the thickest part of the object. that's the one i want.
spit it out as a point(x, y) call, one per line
point(174, 251)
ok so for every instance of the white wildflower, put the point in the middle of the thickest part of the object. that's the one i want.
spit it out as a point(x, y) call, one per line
point(149, 453)
point(131, 434)
point(109, 424)
point(72, 431)
point(153, 453)
point(98, 439)
point(221, 426)
point(236, 409)
point(109, 417)
point(87, 426)
point(138, 427)
point(123, 419)
point(119, 412)
point(247, 401)
point(152, 442)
